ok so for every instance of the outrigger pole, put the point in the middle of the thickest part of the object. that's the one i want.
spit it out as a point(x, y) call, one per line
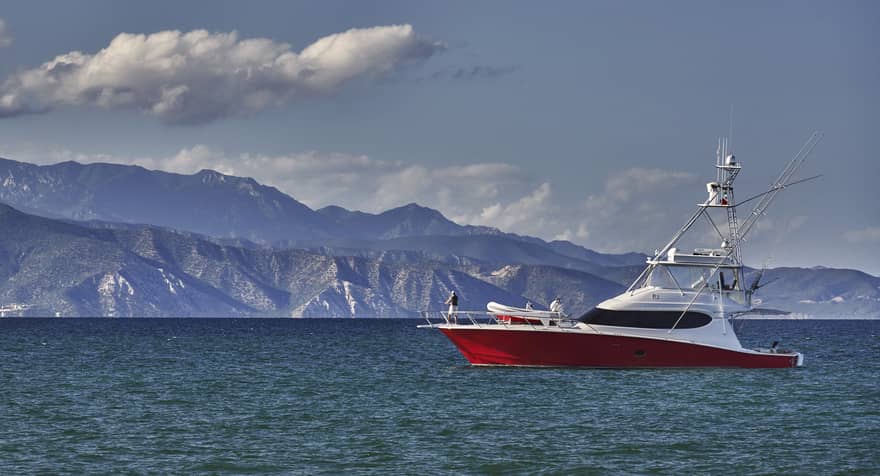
point(780, 184)
point(767, 199)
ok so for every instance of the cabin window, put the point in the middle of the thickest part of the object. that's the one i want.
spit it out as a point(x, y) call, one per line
point(645, 319)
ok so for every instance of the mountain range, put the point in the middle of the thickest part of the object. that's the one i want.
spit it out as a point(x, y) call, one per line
point(116, 240)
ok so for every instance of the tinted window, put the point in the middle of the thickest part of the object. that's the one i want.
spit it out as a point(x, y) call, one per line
point(645, 319)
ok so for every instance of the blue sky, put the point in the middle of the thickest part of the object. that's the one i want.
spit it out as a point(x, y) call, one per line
point(590, 121)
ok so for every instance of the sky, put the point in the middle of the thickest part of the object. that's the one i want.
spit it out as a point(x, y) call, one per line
point(595, 122)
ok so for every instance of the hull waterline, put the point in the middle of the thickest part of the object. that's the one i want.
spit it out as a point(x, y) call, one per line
point(482, 346)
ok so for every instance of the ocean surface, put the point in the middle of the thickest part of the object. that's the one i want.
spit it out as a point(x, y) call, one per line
point(273, 396)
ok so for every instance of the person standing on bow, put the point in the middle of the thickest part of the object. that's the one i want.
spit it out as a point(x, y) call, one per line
point(452, 301)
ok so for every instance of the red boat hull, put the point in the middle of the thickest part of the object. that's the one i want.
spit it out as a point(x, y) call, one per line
point(574, 349)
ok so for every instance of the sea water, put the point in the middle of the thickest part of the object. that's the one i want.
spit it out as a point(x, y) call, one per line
point(331, 396)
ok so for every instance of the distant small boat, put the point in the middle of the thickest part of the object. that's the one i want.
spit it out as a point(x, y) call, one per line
point(677, 313)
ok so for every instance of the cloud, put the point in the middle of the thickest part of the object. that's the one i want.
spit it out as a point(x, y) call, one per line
point(474, 72)
point(5, 35)
point(870, 234)
point(577, 236)
point(635, 210)
point(528, 212)
point(484, 72)
point(360, 182)
point(199, 76)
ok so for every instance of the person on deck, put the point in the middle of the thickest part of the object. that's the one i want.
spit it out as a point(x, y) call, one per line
point(452, 301)
point(556, 306)
point(724, 286)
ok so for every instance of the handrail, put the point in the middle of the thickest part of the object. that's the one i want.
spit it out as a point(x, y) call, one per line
point(472, 318)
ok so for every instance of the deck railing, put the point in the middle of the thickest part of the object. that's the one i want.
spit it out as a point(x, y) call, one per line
point(482, 318)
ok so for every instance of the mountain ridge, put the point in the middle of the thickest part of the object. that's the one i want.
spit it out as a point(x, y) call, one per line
point(52, 267)
point(245, 249)
point(229, 207)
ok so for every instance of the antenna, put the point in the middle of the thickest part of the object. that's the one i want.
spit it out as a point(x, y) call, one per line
point(730, 133)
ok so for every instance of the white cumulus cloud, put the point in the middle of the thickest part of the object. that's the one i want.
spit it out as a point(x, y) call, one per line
point(5, 35)
point(529, 212)
point(199, 76)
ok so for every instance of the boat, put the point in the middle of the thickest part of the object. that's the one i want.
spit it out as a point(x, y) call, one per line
point(679, 312)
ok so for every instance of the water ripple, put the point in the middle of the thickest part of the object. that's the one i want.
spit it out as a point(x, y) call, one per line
point(362, 397)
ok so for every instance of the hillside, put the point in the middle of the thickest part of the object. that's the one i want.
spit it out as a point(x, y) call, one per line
point(49, 267)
